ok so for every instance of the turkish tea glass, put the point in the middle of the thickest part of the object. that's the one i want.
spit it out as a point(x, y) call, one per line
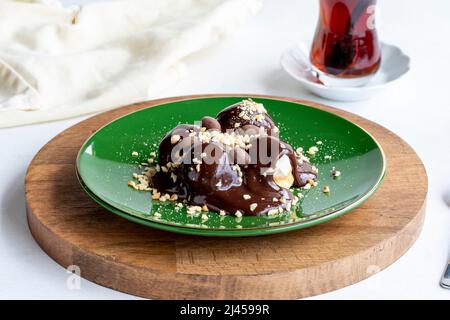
point(345, 50)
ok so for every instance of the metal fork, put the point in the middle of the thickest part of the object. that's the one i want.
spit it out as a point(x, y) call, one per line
point(445, 281)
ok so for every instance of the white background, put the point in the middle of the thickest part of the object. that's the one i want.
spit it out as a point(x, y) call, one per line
point(417, 108)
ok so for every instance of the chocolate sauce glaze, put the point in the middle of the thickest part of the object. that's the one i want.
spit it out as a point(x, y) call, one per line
point(217, 163)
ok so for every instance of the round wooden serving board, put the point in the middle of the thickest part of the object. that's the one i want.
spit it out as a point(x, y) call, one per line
point(128, 257)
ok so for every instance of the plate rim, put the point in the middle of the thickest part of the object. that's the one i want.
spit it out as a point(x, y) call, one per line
point(234, 232)
point(214, 232)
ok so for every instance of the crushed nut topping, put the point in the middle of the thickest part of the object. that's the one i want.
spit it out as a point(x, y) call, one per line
point(157, 215)
point(335, 173)
point(156, 195)
point(312, 150)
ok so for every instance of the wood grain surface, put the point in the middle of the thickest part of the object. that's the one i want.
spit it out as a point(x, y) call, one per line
point(119, 254)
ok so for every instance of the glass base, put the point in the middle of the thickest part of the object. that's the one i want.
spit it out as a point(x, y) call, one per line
point(334, 81)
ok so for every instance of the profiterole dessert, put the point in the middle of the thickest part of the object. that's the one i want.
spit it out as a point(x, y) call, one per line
point(233, 164)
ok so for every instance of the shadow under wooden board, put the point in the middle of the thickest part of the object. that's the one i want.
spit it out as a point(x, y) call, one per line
point(113, 252)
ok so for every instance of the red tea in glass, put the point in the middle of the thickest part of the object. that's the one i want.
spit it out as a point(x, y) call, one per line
point(345, 50)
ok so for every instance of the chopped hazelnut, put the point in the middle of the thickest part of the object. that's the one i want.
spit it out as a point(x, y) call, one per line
point(157, 215)
point(335, 173)
point(156, 195)
point(259, 117)
point(164, 197)
point(313, 150)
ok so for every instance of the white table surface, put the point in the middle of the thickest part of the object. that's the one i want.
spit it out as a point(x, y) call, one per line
point(417, 108)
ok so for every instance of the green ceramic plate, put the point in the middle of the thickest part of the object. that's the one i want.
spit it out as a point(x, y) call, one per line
point(105, 164)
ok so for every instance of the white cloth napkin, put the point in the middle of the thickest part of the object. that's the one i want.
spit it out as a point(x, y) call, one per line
point(60, 62)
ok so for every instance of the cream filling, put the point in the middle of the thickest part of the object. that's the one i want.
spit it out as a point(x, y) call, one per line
point(283, 173)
